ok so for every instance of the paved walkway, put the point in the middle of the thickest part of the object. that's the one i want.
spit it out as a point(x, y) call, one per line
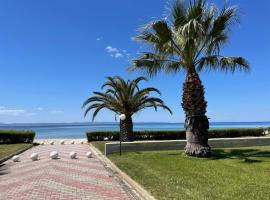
point(64, 178)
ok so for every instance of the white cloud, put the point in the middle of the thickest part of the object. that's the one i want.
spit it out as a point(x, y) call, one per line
point(98, 39)
point(4, 111)
point(11, 111)
point(39, 108)
point(56, 112)
point(30, 114)
point(117, 53)
point(110, 49)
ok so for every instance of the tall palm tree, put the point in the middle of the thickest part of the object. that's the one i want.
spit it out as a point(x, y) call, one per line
point(124, 97)
point(190, 40)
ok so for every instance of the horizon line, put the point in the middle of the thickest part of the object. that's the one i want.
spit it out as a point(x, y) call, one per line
point(10, 123)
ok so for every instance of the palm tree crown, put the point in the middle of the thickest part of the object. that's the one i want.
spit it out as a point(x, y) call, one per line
point(190, 38)
point(123, 97)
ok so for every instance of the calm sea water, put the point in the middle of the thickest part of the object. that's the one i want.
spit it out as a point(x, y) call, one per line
point(77, 130)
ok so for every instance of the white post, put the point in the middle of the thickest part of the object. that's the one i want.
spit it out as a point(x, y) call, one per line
point(122, 117)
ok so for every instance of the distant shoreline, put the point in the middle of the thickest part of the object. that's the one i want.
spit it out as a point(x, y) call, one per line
point(113, 123)
point(78, 129)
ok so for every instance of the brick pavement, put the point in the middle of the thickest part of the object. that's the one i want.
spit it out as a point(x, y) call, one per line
point(61, 179)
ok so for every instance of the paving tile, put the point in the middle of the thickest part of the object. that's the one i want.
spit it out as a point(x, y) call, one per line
point(61, 179)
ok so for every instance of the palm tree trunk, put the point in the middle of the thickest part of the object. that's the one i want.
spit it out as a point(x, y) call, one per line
point(196, 122)
point(126, 129)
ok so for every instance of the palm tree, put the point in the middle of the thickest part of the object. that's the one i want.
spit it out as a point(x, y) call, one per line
point(190, 40)
point(124, 97)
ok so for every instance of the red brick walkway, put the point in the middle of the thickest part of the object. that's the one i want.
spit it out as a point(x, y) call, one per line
point(64, 178)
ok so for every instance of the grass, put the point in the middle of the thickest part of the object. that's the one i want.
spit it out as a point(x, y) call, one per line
point(238, 173)
point(100, 145)
point(8, 149)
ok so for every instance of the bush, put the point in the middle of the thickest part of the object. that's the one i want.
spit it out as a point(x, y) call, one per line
point(139, 135)
point(16, 136)
point(236, 132)
point(174, 134)
point(100, 135)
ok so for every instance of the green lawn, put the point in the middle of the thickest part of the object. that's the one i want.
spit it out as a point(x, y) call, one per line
point(100, 145)
point(8, 149)
point(239, 173)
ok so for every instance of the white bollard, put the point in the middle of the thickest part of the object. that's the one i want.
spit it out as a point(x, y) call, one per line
point(54, 155)
point(62, 142)
point(34, 156)
point(72, 155)
point(89, 154)
point(16, 158)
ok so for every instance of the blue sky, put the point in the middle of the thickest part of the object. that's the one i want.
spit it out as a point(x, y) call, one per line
point(55, 53)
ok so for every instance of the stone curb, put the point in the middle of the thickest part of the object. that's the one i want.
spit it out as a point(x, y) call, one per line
point(161, 145)
point(135, 188)
point(16, 153)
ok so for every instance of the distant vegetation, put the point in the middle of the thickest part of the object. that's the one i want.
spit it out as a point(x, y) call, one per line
point(16, 136)
point(174, 134)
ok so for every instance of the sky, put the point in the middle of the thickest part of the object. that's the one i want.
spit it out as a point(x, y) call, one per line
point(55, 53)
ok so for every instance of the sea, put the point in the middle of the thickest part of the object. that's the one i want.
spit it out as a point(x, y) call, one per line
point(78, 130)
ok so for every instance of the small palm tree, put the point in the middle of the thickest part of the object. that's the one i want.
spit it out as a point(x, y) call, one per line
point(190, 40)
point(124, 97)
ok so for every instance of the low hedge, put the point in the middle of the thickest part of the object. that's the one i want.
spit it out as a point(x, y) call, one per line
point(174, 134)
point(16, 136)
point(237, 132)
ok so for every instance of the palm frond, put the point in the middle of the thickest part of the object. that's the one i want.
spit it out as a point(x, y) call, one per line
point(193, 34)
point(162, 31)
point(97, 111)
point(178, 14)
point(91, 99)
point(122, 97)
point(139, 79)
point(226, 18)
point(195, 10)
point(152, 63)
point(150, 66)
point(221, 63)
point(234, 63)
point(147, 36)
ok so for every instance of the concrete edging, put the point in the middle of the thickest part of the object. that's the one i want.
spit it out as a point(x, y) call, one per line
point(16, 153)
point(166, 145)
point(133, 186)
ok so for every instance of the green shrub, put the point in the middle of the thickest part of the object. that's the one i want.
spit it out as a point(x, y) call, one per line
point(236, 132)
point(174, 134)
point(16, 136)
point(100, 135)
point(139, 135)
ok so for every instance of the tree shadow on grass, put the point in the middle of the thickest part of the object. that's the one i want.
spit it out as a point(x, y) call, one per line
point(247, 155)
point(4, 169)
